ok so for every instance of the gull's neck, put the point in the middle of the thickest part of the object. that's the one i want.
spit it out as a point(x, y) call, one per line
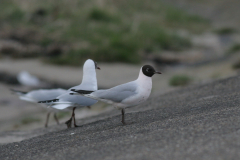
point(89, 78)
point(143, 79)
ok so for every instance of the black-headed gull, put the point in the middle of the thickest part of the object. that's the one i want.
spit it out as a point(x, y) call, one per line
point(124, 95)
point(40, 95)
point(66, 101)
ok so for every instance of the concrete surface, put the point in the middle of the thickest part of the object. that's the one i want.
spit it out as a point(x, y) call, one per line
point(196, 122)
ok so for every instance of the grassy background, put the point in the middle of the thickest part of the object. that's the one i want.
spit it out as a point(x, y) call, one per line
point(104, 30)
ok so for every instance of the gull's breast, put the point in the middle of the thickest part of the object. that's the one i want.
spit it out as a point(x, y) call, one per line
point(143, 92)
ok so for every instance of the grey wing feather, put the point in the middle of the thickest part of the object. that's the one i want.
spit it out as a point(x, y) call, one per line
point(45, 94)
point(118, 93)
point(76, 99)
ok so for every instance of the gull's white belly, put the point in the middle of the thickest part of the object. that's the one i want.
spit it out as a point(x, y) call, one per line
point(140, 97)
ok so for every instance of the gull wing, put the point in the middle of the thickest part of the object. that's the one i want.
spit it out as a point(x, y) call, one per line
point(43, 94)
point(118, 93)
point(76, 99)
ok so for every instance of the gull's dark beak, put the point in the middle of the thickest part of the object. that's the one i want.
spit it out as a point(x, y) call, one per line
point(157, 72)
point(99, 68)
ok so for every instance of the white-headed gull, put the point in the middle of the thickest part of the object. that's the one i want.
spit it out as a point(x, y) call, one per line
point(67, 101)
point(40, 95)
point(27, 79)
point(124, 95)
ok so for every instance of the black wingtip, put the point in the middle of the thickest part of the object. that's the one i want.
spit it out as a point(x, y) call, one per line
point(83, 91)
point(71, 93)
point(14, 90)
point(48, 101)
point(55, 100)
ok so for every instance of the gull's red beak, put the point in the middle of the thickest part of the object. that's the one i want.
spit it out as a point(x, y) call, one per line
point(99, 68)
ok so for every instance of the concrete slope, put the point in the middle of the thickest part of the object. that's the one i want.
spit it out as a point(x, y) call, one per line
point(197, 122)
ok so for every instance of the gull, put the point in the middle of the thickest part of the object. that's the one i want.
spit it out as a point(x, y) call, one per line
point(27, 79)
point(125, 95)
point(66, 101)
point(40, 95)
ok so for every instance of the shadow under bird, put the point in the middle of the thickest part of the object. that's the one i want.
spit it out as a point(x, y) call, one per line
point(67, 101)
point(124, 95)
point(40, 95)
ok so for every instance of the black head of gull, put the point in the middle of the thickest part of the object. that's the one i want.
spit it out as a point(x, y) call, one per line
point(149, 71)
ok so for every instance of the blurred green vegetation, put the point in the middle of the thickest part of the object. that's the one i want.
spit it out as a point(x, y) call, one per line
point(234, 48)
point(236, 65)
point(61, 115)
point(10, 12)
point(29, 120)
point(107, 31)
point(179, 80)
point(224, 31)
point(98, 14)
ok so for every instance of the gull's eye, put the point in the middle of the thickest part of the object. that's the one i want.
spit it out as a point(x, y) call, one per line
point(149, 70)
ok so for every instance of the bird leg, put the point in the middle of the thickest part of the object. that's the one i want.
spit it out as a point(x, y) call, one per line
point(46, 123)
point(69, 122)
point(123, 119)
point(74, 119)
point(56, 119)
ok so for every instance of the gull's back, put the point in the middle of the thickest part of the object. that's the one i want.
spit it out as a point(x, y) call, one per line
point(42, 94)
point(119, 93)
point(76, 99)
